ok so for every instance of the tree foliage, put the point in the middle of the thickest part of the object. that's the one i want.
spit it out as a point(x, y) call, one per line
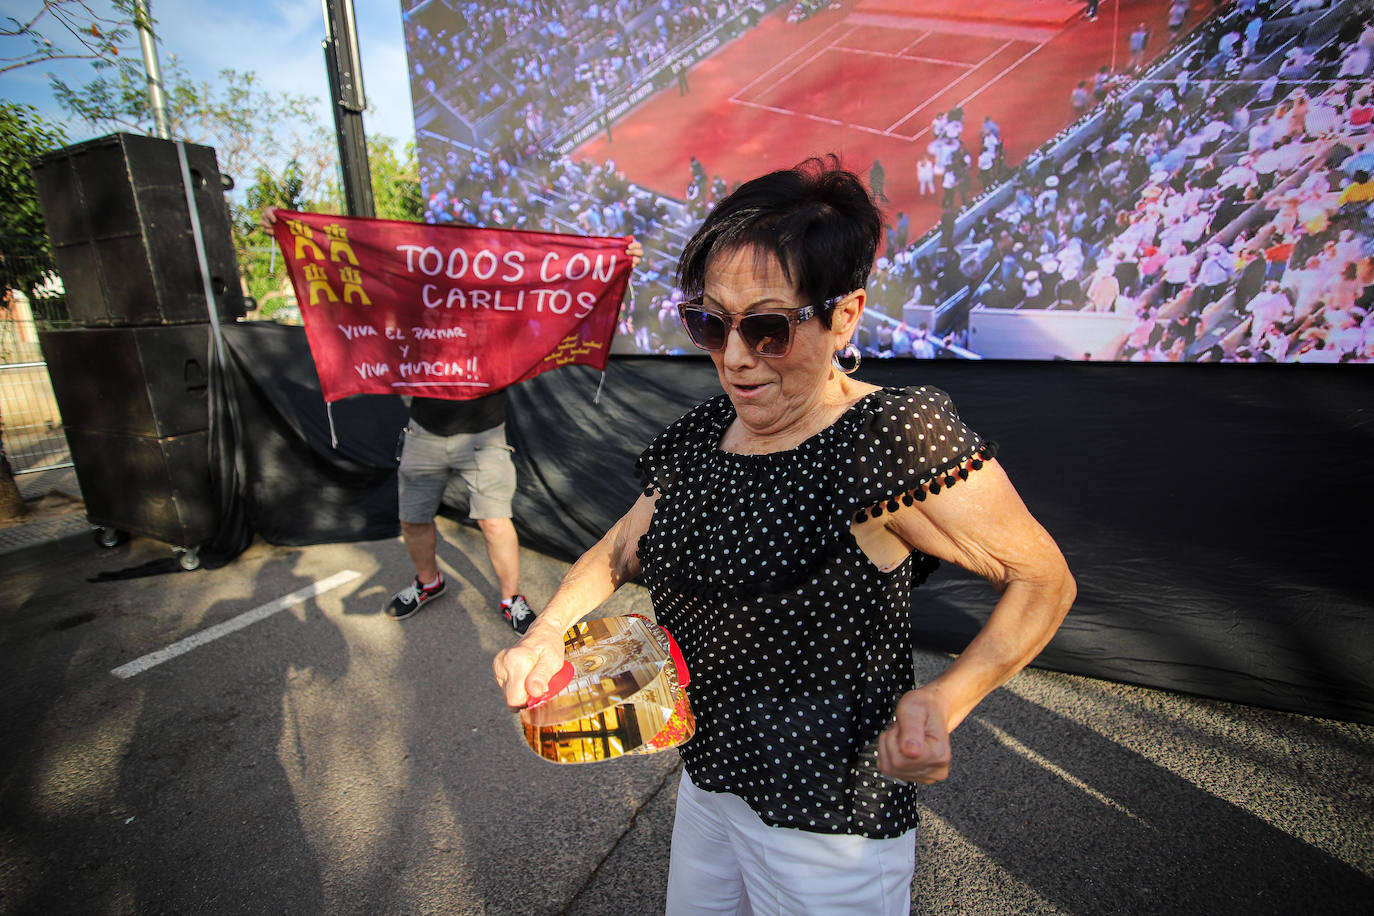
point(250, 127)
point(24, 136)
point(395, 180)
point(25, 260)
point(260, 264)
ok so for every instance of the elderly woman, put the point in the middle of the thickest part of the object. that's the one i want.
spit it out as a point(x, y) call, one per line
point(780, 532)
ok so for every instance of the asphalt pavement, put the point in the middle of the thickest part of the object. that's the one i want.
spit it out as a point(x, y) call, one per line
point(260, 738)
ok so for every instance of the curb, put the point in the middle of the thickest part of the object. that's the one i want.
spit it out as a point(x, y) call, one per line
point(42, 531)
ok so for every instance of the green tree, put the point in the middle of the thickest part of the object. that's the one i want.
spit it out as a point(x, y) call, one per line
point(395, 180)
point(24, 136)
point(260, 263)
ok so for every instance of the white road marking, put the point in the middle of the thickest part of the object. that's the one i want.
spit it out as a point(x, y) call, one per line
point(195, 640)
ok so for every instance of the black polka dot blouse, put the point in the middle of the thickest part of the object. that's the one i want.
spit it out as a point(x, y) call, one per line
point(798, 646)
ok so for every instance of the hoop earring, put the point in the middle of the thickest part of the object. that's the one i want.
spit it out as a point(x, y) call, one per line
point(847, 352)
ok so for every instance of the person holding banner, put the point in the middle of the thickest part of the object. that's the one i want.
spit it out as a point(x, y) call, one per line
point(781, 530)
point(448, 439)
point(450, 316)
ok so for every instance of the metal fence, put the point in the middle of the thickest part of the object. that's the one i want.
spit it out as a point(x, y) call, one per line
point(31, 434)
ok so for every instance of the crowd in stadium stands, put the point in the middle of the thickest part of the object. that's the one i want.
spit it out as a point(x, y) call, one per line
point(485, 55)
point(1227, 209)
point(534, 66)
point(804, 9)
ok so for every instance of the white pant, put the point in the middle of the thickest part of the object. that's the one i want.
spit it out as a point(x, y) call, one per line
point(726, 860)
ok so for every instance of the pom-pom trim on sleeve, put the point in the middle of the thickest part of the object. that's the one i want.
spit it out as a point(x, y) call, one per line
point(942, 479)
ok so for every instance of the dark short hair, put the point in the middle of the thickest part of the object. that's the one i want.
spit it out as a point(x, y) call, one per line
point(816, 218)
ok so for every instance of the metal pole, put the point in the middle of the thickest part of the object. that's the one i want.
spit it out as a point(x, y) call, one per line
point(157, 99)
point(344, 65)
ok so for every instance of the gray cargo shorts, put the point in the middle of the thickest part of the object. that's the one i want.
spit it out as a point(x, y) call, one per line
point(429, 463)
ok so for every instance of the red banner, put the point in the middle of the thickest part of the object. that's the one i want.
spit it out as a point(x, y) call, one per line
point(447, 311)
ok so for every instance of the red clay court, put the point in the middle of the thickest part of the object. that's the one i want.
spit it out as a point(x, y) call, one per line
point(865, 81)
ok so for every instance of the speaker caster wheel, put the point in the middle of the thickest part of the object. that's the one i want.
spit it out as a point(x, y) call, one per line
point(106, 536)
point(189, 558)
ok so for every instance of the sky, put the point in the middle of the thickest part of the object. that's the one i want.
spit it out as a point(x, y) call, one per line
point(279, 40)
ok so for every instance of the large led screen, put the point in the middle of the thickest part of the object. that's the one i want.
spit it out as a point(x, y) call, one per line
point(1131, 180)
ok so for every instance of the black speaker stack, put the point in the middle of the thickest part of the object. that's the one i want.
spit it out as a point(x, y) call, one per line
point(131, 377)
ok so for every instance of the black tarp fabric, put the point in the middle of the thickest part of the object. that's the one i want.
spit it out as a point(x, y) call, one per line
point(299, 487)
point(1216, 517)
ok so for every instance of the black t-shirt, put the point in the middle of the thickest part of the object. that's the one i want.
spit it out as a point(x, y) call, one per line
point(449, 418)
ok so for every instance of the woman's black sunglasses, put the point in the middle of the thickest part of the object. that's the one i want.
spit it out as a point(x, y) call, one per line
point(767, 333)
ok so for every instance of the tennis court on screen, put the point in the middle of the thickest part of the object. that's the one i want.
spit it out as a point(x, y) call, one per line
point(865, 79)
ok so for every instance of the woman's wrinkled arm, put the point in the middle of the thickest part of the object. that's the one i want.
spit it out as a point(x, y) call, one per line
point(524, 670)
point(982, 525)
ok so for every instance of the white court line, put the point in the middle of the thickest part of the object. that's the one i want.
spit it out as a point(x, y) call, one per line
point(773, 108)
point(738, 95)
point(876, 131)
point(812, 117)
point(195, 640)
point(1010, 67)
point(833, 45)
point(898, 55)
point(915, 41)
point(948, 86)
